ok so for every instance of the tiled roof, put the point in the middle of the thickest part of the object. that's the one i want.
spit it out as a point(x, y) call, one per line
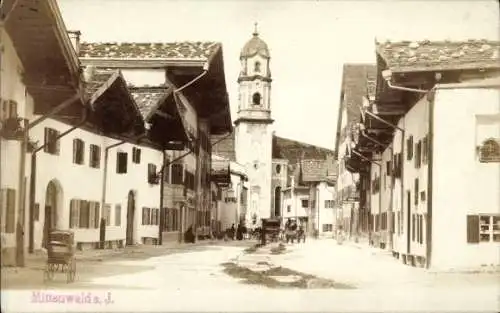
point(439, 55)
point(147, 99)
point(223, 146)
point(358, 80)
point(95, 78)
point(294, 151)
point(173, 50)
point(318, 170)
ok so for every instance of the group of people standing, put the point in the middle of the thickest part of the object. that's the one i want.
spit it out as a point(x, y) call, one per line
point(238, 233)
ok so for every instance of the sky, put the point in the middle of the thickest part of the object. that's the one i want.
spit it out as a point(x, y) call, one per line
point(309, 41)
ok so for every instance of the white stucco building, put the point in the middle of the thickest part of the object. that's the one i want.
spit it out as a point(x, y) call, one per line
point(440, 161)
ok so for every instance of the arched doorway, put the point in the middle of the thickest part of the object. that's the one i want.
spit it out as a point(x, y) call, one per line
point(130, 218)
point(53, 205)
point(277, 202)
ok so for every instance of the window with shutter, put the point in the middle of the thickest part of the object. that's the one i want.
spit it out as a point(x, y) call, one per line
point(121, 162)
point(118, 215)
point(136, 155)
point(78, 151)
point(152, 175)
point(95, 156)
point(177, 174)
point(472, 228)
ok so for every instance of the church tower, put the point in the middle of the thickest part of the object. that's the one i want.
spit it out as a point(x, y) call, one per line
point(253, 126)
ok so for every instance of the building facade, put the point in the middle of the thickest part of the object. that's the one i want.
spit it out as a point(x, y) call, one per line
point(430, 154)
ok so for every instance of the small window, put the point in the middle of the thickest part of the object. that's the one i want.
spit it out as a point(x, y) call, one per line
point(409, 148)
point(278, 169)
point(257, 67)
point(177, 174)
point(153, 177)
point(289, 208)
point(305, 203)
point(118, 215)
point(489, 151)
point(136, 155)
point(327, 227)
point(256, 98)
point(78, 151)
point(121, 162)
point(95, 156)
point(51, 141)
point(483, 228)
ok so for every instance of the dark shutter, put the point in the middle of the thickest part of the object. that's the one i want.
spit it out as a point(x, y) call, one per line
point(10, 220)
point(413, 227)
point(121, 162)
point(472, 229)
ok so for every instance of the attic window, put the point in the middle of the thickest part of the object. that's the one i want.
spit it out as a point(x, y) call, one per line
point(257, 67)
point(489, 151)
point(256, 98)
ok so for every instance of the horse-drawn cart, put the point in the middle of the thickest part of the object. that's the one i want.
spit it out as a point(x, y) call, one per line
point(61, 255)
point(270, 230)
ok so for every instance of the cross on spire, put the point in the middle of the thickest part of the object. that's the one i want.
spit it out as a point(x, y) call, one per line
point(255, 32)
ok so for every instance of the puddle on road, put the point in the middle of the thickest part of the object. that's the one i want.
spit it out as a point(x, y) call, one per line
point(280, 277)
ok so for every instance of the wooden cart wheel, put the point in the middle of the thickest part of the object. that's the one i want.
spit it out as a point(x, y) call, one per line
point(71, 271)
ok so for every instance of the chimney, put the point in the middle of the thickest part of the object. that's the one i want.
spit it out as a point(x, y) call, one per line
point(74, 36)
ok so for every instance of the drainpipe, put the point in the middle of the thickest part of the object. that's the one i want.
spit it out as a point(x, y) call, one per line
point(428, 223)
point(32, 195)
point(161, 225)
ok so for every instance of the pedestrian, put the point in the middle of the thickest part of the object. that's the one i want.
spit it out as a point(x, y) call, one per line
point(233, 232)
point(239, 232)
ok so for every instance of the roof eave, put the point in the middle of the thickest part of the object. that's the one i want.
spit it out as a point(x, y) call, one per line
point(141, 63)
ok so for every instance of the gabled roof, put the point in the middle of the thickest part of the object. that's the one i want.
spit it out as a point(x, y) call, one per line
point(224, 146)
point(318, 170)
point(428, 55)
point(149, 99)
point(159, 50)
point(358, 81)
